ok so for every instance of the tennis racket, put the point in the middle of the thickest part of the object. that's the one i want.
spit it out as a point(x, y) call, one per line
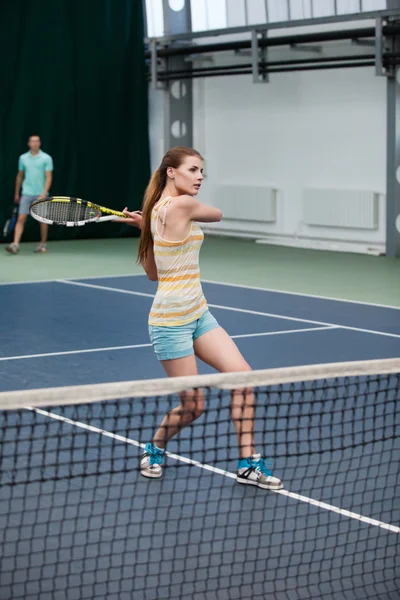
point(71, 212)
point(10, 223)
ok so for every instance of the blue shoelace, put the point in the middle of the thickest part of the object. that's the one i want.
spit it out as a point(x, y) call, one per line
point(156, 455)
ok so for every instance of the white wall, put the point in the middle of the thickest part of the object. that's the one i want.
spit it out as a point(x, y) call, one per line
point(324, 129)
point(317, 129)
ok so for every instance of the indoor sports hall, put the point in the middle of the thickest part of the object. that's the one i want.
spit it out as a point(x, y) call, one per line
point(294, 106)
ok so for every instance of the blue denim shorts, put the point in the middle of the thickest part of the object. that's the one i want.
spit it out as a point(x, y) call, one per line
point(177, 342)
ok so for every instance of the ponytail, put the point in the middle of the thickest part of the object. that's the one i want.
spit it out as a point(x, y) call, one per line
point(151, 197)
point(174, 159)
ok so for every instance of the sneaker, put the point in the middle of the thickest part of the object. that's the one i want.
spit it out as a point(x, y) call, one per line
point(41, 248)
point(12, 248)
point(150, 463)
point(254, 471)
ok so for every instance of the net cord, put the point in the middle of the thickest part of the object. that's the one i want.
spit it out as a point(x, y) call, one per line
point(85, 394)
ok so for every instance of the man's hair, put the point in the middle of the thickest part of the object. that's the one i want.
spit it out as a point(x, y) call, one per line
point(34, 135)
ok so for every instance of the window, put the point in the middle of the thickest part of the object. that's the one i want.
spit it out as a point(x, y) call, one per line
point(218, 14)
point(155, 19)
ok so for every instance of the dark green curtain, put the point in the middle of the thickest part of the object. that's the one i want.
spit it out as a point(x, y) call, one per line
point(73, 71)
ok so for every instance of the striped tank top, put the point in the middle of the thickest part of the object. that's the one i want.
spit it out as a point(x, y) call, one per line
point(179, 298)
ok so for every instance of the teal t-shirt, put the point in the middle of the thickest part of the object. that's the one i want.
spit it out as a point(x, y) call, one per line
point(34, 167)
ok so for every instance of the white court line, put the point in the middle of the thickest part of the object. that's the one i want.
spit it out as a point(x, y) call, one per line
point(71, 279)
point(104, 287)
point(283, 332)
point(340, 511)
point(223, 283)
point(317, 297)
point(129, 347)
point(242, 310)
point(66, 352)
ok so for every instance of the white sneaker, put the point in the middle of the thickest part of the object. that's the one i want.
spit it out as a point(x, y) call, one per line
point(12, 248)
point(41, 248)
point(254, 471)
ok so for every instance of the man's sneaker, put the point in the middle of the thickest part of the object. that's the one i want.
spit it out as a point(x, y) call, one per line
point(151, 461)
point(12, 248)
point(254, 471)
point(40, 248)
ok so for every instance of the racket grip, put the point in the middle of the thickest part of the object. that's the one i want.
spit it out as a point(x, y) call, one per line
point(107, 218)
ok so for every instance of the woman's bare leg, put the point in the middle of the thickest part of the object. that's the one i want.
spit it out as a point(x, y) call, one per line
point(191, 402)
point(218, 350)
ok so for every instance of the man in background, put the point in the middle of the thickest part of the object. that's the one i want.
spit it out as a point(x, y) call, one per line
point(35, 172)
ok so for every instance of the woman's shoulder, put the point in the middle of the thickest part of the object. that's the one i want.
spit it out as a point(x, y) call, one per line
point(179, 204)
point(184, 201)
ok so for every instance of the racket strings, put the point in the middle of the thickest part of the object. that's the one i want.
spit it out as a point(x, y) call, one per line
point(65, 211)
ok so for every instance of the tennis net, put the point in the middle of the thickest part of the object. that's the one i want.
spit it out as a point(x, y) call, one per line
point(78, 521)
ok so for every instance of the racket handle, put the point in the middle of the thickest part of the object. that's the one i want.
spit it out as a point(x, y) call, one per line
point(107, 218)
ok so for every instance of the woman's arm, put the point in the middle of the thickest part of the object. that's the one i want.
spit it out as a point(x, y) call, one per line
point(149, 265)
point(196, 211)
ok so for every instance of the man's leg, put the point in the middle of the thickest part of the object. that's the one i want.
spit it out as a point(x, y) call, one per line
point(24, 205)
point(43, 233)
point(42, 247)
point(19, 228)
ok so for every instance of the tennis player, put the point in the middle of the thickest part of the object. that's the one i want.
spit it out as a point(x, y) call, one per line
point(35, 172)
point(181, 326)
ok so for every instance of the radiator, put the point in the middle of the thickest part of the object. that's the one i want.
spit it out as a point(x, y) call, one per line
point(348, 209)
point(246, 203)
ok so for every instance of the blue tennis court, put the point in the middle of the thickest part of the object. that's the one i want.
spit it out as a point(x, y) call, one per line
point(95, 330)
point(103, 531)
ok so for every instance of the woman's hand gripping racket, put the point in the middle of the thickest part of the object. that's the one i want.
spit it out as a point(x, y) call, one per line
point(64, 210)
point(132, 218)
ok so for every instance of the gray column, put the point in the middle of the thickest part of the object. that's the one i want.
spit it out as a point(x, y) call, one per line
point(393, 159)
point(145, 28)
point(178, 103)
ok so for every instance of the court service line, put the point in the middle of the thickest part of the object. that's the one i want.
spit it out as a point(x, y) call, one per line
point(222, 283)
point(66, 352)
point(283, 332)
point(132, 346)
point(104, 287)
point(241, 310)
point(304, 295)
point(340, 511)
point(29, 281)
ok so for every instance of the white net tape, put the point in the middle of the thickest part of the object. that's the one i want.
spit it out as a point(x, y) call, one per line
point(165, 386)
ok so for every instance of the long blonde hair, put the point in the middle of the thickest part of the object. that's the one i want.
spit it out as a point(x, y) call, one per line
point(173, 158)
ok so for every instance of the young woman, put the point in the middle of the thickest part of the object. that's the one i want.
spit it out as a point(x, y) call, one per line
point(180, 325)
